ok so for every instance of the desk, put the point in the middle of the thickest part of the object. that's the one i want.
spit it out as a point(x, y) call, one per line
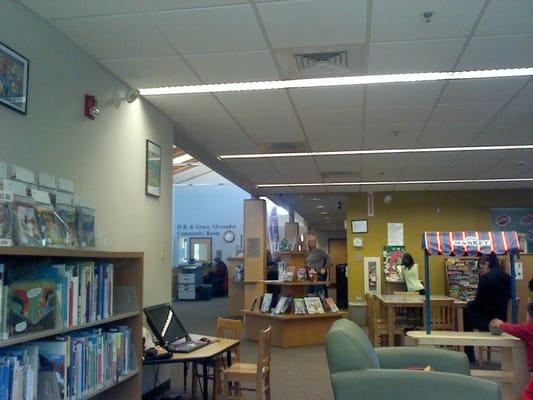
point(513, 375)
point(391, 302)
point(202, 356)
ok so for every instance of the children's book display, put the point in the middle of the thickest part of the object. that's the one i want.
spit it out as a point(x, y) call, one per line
point(35, 298)
point(314, 305)
point(82, 362)
point(299, 306)
point(462, 277)
point(267, 301)
point(24, 222)
point(282, 305)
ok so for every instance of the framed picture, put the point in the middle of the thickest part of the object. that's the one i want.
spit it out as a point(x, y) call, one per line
point(14, 70)
point(153, 169)
point(372, 271)
point(359, 226)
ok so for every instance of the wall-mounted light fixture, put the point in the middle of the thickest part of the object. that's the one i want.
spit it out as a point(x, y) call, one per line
point(91, 108)
point(130, 96)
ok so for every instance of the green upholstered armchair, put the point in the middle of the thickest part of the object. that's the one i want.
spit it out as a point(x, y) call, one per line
point(358, 371)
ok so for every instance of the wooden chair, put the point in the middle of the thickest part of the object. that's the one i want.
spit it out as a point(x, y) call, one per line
point(250, 374)
point(408, 316)
point(228, 329)
point(442, 315)
point(377, 322)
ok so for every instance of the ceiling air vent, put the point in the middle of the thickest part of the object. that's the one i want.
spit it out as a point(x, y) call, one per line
point(323, 62)
point(285, 147)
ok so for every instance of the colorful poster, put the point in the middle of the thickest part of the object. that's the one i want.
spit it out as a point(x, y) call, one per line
point(392, 256)
point(515, 219)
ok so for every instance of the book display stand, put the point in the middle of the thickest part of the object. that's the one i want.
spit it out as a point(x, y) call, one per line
point(116, 313)
point(291, 329)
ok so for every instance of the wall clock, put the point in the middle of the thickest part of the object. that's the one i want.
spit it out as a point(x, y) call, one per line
point(229, 236)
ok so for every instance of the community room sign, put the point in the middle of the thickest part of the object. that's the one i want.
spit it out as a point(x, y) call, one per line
point(203, 230)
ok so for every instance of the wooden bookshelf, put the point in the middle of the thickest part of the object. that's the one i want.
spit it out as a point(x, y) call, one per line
point(127, 274)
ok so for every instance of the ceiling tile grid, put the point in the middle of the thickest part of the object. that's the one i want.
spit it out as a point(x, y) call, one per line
point(426, 166)
point(298, 170)
point(383, 167)
point(443, 134)
point(333, 138)
point(390, 136)
point(504, 17)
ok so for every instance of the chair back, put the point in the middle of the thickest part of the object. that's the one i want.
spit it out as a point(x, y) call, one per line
point(348, 348)
point(230, 329)
point(442, 314)
point(263, 358)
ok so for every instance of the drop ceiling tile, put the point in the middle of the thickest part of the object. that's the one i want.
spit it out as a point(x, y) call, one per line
point(414, 56)
point(233, 67)
point(518, 111)
point(400, 21)
point(502, 132)
point(339, 163)
point(332, 138)
point(411, 188)
point(482, 90)
point(298, 170)
point(426, 166)
point(256, 124)
point(508, 51)
point(211, 30)
point(164, 71)
point(314, 23)
point(412, 94)
point(276, 135)
point(526, 95)
point(223, 142)
point(465, 113)
point(442, 134)
point(383, 167)
point(376, 188)
point(167, 5)
point(53, 9)
point(127, 36)
point(469, 165)
point(506, 17)
point(383, 136)
point(308, 190)
point(398, 114)
point(332, 118)
point(327, 98)
point(445, 186)
point(260, 171)
point(256, 103)
point(514, 164)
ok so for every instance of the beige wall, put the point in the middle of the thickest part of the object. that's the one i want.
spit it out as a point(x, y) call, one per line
point(419, 212)
point(105, 158)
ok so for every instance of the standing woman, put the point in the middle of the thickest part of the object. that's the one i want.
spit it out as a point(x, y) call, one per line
point(317, 260)
point(410, 274)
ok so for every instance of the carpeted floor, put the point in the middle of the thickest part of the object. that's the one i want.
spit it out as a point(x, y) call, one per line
point(299, 373)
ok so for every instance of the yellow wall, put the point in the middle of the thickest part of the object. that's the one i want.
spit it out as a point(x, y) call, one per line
point(421, 211)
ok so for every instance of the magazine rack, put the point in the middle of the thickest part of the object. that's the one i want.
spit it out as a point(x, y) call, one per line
point(291, 330)
point(128, 287)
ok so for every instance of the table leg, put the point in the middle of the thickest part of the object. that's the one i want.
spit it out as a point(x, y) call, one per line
point(194, 376)
point(520, 369)
point(507, 366)
point(390, 323)
point(205, 382)
point(228, 358)
point(185, 370)
point(460, 322)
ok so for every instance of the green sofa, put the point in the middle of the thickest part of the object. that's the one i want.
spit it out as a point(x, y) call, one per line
point(360, 372)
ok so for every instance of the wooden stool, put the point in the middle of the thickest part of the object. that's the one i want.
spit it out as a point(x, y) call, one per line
point(250, 374)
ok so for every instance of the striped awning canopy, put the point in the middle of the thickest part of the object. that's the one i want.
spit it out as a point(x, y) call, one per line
point(470, 243)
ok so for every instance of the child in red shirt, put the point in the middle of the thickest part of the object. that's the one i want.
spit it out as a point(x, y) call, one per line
point(523, 331)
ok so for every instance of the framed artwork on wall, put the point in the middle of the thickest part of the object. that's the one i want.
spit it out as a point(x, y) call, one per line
point(359, 226)
point(153, 169)
point(14, 72)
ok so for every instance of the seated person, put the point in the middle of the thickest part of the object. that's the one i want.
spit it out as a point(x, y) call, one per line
point(493, 294)
point(523, 331)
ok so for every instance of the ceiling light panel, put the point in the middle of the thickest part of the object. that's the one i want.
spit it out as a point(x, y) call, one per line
point(454, 18)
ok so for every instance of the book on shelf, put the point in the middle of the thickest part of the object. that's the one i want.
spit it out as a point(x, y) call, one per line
point(19, 371)
point(6, 219)
point(290, 274)
point(67, 215)
point(254, 304)
point(313, 305)
point(282, 305)
point(299, 306)
point(85, 221)
point(265, 304)
point(301, 274)
point(52, 229)
point(26, 225)
point(39, 297)
point(330, 303)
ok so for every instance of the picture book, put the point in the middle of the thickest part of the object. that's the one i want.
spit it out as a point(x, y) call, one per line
point(54, 357)
point(313, 305)
point(50, 226)
point(267, 300)
point(85, 222)
point(67, 215)
point(26, 225)
point(299, 306)
point(290, 274)
point(301, 274)
point(331, 305)
point(6, 219)
point(254, 303)
point(282, 305)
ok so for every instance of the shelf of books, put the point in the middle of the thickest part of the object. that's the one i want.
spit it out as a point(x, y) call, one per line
point(462, 277)
point(300, 320)
point(70, 324)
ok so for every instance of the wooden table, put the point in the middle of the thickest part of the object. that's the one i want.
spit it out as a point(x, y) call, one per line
point(291, 330)
point(203, 355)
point(392, 302)
point(513, 375)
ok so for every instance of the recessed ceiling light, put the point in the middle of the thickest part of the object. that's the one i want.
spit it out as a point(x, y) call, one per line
point(324, 213)
point(376, 151)
point(378, 183)
point(336, 81)
point(315, 198)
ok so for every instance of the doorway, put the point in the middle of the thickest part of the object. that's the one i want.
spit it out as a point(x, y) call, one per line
point(200, 249)
point(338, 254)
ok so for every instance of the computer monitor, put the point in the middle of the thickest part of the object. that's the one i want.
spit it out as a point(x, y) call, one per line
point(165, 324)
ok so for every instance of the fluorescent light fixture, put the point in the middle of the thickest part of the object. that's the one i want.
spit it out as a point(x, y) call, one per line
point(319, 206)
point(181, 159)
point(337, 81)
point(377, 183)
point(377, 151)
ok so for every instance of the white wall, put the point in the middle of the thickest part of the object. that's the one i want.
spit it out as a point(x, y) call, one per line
point(105, 158)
